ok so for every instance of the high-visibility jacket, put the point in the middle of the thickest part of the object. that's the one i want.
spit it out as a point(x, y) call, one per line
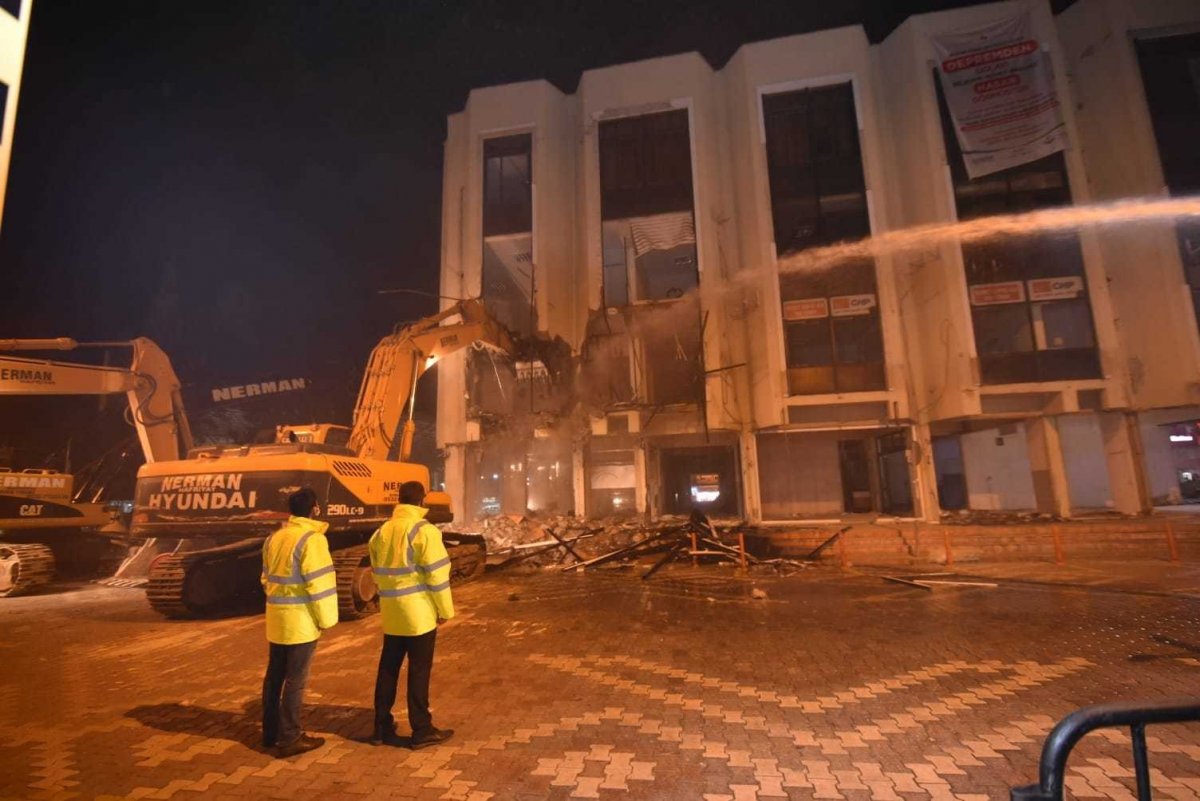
point(299, 581)
point(412, 572)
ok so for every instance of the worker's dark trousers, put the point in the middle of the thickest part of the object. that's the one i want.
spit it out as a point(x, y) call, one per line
point(283, 691)
point(419, 650)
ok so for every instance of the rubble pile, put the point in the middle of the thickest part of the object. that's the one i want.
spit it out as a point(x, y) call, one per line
point(570, 543)
point(994, 517)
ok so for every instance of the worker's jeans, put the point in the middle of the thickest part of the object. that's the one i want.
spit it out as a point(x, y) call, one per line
point(287, 673)
point(419, 650)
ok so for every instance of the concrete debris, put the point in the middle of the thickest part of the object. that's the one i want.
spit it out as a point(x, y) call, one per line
point(993, 517)
point(573, 544)
point(758, 594)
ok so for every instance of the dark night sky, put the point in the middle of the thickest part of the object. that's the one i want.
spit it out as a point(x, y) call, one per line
point(236, 180)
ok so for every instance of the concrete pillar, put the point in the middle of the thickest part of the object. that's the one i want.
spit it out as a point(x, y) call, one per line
point(1126, 466)
point(752, 500)
point(1050, 485)
point(923, 475)
point(639, 469)
point(581, 480)
point(456, 484)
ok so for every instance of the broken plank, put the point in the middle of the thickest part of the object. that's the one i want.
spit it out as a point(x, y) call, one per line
point(909, 582)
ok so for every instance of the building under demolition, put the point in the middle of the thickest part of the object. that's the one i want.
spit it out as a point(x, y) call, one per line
point(641, 233)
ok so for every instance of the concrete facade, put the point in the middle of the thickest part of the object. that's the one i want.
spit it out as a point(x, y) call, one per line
point(945, 423)
point(14, 30)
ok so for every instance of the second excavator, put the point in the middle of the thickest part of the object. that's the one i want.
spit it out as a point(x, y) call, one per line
point(225, 500)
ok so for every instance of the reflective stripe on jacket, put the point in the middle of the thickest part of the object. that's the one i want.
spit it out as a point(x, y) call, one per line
point(412, 572)
point(299, 581)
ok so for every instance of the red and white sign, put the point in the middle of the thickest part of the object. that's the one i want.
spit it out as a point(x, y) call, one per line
point(807, 309)
point(1065, 287)
point(999, 86)
point(851, 305)
point(995, 294)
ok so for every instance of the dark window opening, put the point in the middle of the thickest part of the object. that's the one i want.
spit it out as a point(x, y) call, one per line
point(648, 227)
point(508, 282)
point(832, 331)
point(1171, 77)
point(3, 108)
point(700, 478)
point(12, 7)
point(1029, 296)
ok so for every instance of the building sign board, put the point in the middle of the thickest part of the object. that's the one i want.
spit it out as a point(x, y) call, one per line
point(851, 305)
point(1064, 287)
point(995, 294)
point(807, 309)
point(999, 87)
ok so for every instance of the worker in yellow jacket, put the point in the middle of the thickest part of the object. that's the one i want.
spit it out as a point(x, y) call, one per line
point(412, 572)
point(301, 588)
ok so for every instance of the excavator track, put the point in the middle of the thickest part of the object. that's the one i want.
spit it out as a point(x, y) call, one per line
point(164, 589)
point(356, 592)
point(204, 583)
point(24, 568)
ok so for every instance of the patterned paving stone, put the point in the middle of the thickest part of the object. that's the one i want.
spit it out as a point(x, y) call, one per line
point(604, 686)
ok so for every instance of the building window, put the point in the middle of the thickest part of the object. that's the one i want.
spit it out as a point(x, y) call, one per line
point(508, 281)
point(648, 228)
point(1171, 76)
point(832, 333)
point(1029, 296)
point(704, 478)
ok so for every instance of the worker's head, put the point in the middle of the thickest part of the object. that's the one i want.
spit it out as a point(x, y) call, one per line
point(412, 492)
point(302, 502)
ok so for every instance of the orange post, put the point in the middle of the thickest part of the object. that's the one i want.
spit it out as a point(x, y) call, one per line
point(841, 549)
point(695, 547)
point(1172, 548)
point(742, 548)
point(1058, 546)
point(949, 545)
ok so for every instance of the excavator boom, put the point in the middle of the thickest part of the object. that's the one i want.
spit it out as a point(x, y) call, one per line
point(149, 383)
point(397, 364)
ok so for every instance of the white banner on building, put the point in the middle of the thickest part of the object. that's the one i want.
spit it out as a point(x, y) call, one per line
point(851, 305)
point(999, 86)
point(1064, 287)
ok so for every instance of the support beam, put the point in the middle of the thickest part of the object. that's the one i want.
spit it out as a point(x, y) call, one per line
point(1126, 466)
point(923, 475)
point(456, 483)
point(1050, 484)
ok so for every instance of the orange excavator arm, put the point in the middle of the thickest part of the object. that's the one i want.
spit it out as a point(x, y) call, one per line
point(397, 364)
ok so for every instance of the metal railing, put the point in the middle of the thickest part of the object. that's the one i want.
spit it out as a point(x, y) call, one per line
point(1071, 729)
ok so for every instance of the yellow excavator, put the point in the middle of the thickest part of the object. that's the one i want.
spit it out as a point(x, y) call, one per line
point(225, 500)
point(43, 525)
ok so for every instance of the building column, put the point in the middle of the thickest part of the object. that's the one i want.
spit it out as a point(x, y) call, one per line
point(1050, 485)
point(751, 494)
point(1126, 465)
point(456, 484)
point(640, 493)
point(923, 474)
point(581, 480)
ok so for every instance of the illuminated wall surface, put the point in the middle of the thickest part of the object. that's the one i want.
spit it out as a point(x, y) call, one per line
point(654, 237)
point(14, 29)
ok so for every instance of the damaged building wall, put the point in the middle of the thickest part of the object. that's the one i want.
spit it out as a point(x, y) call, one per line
point(663, 196)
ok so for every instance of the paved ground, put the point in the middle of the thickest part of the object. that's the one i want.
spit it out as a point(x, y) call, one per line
point(837, 685)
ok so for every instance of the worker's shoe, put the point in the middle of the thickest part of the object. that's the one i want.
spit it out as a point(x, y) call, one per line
point(301, 745)
point(431, 736)
point(386, 735)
